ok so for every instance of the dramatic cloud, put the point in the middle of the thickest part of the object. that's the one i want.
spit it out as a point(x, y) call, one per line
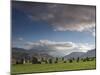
point(58, 48)
point(60, 17)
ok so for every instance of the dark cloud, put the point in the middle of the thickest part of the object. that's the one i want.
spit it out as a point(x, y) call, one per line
point(61, 17)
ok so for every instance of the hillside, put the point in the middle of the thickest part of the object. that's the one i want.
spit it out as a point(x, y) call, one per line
point(90, 53)
point(23, 53)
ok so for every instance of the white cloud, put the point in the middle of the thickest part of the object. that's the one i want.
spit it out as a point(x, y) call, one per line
point(85, 47)
point(59, 48)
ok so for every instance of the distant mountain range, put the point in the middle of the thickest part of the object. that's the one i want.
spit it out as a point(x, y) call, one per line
point(20, 53)
point(74, 55)
point(90, 53)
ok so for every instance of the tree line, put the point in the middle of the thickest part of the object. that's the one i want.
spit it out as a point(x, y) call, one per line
point(35, 60)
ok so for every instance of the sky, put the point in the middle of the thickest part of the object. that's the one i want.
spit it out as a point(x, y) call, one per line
point(58, 28)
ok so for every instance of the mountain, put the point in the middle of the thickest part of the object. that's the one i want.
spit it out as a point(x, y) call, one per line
point(17, 50)
point(90, 53)
point(21, 53)
point(74, 55)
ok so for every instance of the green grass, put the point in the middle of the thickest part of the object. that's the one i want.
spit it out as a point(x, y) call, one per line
point(35, 68)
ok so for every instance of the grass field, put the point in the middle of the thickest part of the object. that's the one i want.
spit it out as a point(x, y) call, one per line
point(35, 68)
